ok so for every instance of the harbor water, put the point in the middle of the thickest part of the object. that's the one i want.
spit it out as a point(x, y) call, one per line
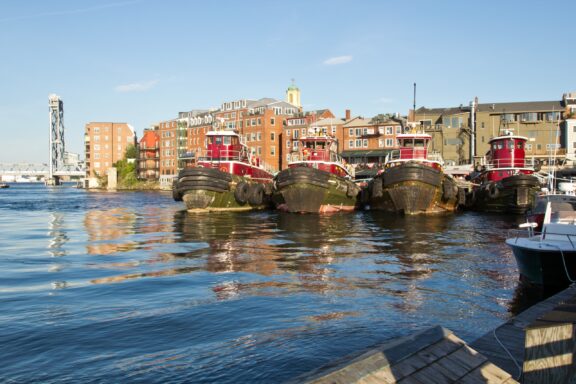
point(128, 287)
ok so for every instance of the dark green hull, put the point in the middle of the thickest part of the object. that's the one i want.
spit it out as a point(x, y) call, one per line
point(413, 188)
point(515, 194)
point(310, 190)
point(209, 189)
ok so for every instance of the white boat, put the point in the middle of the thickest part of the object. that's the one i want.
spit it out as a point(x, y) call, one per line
point(547, 258)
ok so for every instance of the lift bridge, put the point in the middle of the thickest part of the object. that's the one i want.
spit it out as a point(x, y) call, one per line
point(57, 166)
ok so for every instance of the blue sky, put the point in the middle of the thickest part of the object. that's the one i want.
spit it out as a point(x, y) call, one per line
point(142, 61)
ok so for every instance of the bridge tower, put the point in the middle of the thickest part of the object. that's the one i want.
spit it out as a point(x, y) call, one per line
point(57, 143)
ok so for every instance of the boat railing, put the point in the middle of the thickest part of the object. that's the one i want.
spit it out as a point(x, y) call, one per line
point(557, 231)
point(221, 155)
point(417, 153)
point(511, 163)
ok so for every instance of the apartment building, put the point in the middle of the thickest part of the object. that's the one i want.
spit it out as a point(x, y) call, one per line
point(368, 141)
point(167, 131)
point(539, 121)
point(148, 167)
point(300, 125)
point(105, 144)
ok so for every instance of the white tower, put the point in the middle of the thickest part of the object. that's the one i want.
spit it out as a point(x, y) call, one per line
point(293, 95)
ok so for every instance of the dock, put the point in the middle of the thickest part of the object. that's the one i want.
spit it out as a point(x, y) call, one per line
point(539, 341)
point(537, 346)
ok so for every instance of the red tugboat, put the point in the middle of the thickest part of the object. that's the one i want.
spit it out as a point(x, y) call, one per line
point(227, 178)
point(505, 183)
point(316, 180)
point(413, 181)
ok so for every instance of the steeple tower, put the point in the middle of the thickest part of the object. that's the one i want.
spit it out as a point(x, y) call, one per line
point(293, 95)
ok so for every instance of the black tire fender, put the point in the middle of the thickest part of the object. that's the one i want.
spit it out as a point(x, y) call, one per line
point(377, 187)
point(256, 194)
point(241, 192)
point(493, 191)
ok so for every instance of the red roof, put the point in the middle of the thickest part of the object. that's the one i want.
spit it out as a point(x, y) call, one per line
point(151, 139)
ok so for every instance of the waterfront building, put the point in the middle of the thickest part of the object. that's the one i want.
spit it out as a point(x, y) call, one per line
point(542, 122)
point(105, 144)
point(148, 167)
point(260, 123)
point(168, 150)
point(368, 141)
point(322, 120)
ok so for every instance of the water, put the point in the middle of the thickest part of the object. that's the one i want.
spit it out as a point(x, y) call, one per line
point(127, 287)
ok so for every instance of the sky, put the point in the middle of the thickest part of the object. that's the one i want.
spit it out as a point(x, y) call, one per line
point(143, 61)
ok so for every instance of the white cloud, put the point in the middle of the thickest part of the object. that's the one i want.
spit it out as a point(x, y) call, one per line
point(338, 60)
point(136, 87)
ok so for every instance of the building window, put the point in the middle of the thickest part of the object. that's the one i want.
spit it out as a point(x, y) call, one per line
point(272, 121)
point(528, 147)
point(351, 132)
point(96, 138)
point(288, 144)
point(333, 130)
point(380, 143)
point(539, 147)
point(365, 143)
point(259, 136)
point(273, 150)
point(259, 121)
point(358, 143)
point(398, 130)
point(389, 142)
point(389, 130)
point(350, 143)
point(259, 151)
point(287, 133)
point(96, 147)
point(272, 136)
point(96, 129)
point(295, 145)
point(296, 134)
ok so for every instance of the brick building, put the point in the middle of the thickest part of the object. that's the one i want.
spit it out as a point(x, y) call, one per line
point(105, 144)
point(148, 167)
point(542, 122)
point(368, 141)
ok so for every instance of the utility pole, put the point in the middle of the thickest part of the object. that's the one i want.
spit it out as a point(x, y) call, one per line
point(473, 107)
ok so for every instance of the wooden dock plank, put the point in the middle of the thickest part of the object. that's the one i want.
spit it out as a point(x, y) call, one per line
point(512, 334)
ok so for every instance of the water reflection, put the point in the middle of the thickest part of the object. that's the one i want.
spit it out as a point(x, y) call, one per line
point(57, 235)
point(107, 230)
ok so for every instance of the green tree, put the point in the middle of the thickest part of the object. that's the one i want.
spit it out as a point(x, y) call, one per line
point(131, 152)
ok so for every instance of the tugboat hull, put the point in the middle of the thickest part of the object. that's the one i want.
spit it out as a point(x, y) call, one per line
point(310, 190)
point(209, 189)
point(514, 194)
point(412, 188)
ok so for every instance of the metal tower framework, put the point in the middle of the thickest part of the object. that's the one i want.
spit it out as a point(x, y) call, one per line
point(57, 143)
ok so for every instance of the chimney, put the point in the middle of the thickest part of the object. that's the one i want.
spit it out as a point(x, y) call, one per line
point(347, 114)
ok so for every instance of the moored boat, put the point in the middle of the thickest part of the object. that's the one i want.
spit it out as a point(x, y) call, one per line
point(228, 177)
point(506, 181)
point(4, 185)
point(413, 181)
point(547, 258)
point(316, 180)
